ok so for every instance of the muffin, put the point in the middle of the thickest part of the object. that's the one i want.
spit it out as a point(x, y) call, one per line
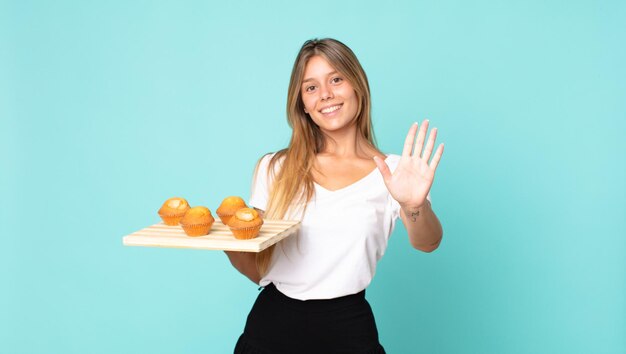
point(228, 208)
point(173, 210)
point(197, 221)
point(245, 224)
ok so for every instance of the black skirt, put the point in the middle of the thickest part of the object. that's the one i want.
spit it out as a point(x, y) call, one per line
point(278, 324)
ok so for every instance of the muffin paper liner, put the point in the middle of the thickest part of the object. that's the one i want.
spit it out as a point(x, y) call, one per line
point(197, 229)
point(172, 218)
point(245, 233)
point(225, 217)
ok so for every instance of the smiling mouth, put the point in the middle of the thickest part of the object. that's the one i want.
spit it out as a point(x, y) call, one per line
point(330, 109)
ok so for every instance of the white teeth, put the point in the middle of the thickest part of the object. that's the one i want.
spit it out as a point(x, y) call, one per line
point(331, 109)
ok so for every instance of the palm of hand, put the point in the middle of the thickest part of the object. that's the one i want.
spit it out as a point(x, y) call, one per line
point(410, 183)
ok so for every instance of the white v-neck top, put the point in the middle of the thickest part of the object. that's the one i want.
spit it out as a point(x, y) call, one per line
point(342, 236)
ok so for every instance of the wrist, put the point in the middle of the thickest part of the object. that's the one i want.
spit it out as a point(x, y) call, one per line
point(412, 211)
point(407, 207)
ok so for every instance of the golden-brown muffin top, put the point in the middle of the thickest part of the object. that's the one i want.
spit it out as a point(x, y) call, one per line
point(175, 204)
point(230, 205)
point(197, 215)
point(246, 214)
point(246, 217)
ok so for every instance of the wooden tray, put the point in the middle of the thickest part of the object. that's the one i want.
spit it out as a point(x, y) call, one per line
point(220, 237)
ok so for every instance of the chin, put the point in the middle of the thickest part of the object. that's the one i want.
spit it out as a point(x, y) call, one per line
point(336, 128)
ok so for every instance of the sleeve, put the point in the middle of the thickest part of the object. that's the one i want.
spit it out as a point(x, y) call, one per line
point(259, 193)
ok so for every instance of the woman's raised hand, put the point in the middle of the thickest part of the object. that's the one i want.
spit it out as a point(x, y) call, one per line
point(410, 183)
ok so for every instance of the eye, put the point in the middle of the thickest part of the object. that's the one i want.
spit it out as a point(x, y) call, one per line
point(336, 80)
point(309, 88)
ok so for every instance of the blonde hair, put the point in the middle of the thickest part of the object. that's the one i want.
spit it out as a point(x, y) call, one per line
point(293, 184)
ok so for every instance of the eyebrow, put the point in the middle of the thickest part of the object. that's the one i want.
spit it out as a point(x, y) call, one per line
point(312, 79)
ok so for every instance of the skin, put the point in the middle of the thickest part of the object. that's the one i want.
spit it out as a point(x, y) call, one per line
point(347, 158)
point(410, 184)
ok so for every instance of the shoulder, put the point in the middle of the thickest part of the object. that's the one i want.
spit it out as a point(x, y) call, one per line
point(270, 162)
point(265, 159)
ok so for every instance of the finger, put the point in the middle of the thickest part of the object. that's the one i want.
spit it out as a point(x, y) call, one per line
point(435, 162)
point(419, 144)
point(430, 144)
point(383, 168)
point(408, 142)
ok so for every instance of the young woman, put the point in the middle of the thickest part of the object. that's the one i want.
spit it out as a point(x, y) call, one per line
point(314, 282)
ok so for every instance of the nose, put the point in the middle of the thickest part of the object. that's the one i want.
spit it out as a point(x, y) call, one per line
point(326, 93)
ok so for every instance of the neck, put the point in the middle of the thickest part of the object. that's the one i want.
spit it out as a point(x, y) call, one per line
point(346, 143)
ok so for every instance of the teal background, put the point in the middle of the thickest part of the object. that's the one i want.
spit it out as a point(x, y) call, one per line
point(107, 109)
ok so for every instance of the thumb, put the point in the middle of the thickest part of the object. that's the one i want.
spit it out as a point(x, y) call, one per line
point(383, 168)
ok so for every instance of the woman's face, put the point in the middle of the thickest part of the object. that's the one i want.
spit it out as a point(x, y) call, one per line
point(329, 99)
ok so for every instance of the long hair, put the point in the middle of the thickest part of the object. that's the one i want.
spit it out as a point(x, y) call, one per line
point(293, 184)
